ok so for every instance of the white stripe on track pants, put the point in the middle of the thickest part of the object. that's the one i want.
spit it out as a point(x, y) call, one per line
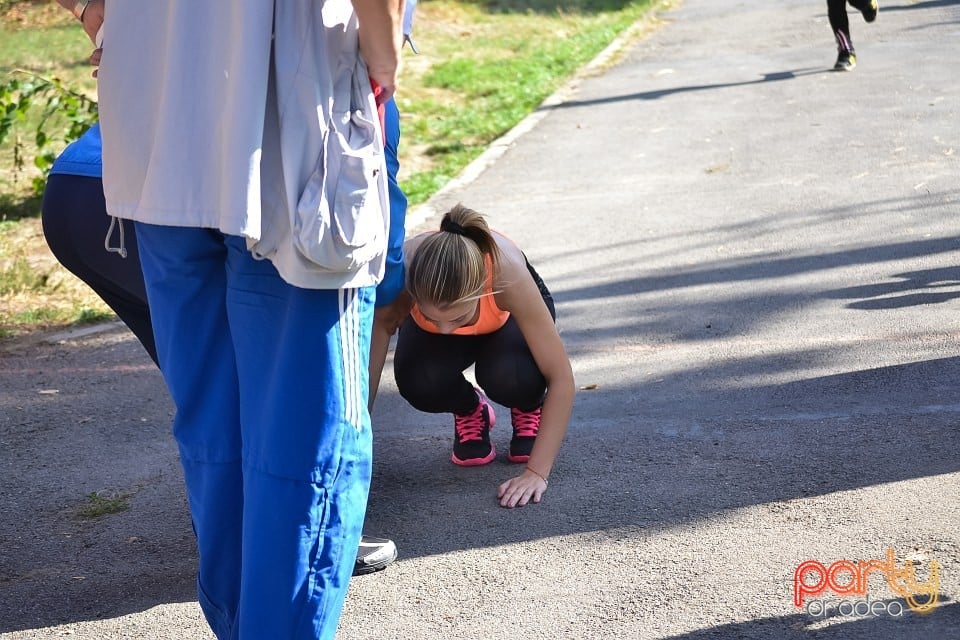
point(270, 387)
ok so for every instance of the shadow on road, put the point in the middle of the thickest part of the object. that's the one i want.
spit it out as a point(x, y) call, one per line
point(667, 450)
point(799, 627)
point(774, 76)
point(692, 412)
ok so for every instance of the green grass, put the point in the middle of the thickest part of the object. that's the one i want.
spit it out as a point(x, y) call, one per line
point(484, 79)
point(16, 204)
point(46, 41)
point(484, 66)
point(19, 276)
point(35, 291)
point(47, 316)
point(98, 505)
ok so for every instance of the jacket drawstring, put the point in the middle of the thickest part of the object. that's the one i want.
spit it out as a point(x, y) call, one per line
point(122, 247)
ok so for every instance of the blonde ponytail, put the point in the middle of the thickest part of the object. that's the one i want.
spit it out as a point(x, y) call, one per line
point(450, 266)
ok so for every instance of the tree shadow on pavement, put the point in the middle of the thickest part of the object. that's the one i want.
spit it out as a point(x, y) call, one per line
point(664, 436)
point(926, 286)
point(801, 626)
point(775, 76)
point(654, 456)
point(644, 452)
point(914, 6)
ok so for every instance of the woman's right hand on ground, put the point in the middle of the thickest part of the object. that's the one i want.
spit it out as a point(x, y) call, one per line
point(525, 488)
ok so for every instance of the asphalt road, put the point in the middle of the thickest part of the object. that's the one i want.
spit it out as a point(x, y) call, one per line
point(755, 261)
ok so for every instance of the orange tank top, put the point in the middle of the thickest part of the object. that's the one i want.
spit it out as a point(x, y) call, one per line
point(490, 319)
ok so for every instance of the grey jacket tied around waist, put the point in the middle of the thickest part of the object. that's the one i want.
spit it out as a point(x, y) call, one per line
point(323, 172)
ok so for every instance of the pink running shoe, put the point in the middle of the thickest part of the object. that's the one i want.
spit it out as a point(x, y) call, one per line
point(526, 425)
point(471, 440)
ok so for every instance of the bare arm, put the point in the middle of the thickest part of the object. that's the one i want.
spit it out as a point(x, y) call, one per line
point(386, 321)
point(92, 14)
point(521, 297)
point(380, 41)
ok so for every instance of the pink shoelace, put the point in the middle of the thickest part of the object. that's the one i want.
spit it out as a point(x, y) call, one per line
point(470, 427)
point(525, 423)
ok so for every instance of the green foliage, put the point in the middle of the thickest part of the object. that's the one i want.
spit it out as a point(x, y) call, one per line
point(550, 7)
point(39, 317)
point(486, 82)
point(103, 504)
point(19, 276)
point(16, 206)
point(60, 115)
point(93, 316)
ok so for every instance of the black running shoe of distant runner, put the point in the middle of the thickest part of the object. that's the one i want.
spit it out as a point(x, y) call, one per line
point(846, 61)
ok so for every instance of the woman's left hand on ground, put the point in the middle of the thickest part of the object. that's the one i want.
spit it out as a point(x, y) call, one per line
point(518, 491)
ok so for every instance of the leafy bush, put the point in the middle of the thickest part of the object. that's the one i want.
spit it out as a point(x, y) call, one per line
point(52, 115)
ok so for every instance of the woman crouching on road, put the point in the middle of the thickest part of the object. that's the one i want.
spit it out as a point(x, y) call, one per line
point(473, 299)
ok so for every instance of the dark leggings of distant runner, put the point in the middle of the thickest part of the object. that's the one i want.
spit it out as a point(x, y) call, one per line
point(75, 223)
point(837, 14)
point(428, 367)
point(839, 23)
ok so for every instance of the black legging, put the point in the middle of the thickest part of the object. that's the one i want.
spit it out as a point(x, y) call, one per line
point(837, 14)
point(75, 223)
point(429, 367)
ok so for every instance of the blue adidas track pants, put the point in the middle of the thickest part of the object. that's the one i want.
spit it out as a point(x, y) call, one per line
point(270, 387)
